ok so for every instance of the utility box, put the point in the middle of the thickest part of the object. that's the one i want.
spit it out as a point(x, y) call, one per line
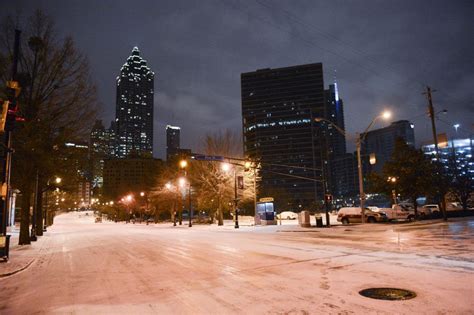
point(303, 219)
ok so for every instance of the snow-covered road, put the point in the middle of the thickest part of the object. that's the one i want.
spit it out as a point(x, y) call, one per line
point(115, 268)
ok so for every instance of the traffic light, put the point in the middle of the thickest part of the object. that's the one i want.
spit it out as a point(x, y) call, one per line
point(3, 115)
point(15, 86)
point(328, 198)
point(9, 110)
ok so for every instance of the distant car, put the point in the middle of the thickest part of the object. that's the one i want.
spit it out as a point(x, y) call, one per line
point(98, 220)
point(431, 209)
point(348, 215)
point(453, 206)
point(287, 215)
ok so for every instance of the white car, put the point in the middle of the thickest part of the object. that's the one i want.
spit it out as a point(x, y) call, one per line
point(287, 215)
point(347, 215)
point(403, 212)
point(431, 209)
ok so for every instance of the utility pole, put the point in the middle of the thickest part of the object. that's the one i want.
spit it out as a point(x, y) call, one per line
point(432, 117)
point(361, 179)
point(431, 113)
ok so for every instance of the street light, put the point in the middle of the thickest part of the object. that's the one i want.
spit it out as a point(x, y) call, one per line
point(183, 164)
point(58, 180)
point(170, 188)
point(359, 138)
point(226, 168)
point(393, 180)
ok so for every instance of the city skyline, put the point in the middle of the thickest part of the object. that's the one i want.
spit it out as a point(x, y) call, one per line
point(200, 50)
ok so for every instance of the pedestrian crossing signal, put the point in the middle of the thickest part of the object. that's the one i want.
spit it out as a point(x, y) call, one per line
point(240, 182)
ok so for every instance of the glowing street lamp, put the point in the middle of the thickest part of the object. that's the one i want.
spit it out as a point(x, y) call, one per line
point(225, 167)
point(393, 180)
point(386, 115)
point(58, 180)
point(247, 164)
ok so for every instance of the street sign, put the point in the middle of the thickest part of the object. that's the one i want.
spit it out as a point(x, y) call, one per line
point(266, 199)
point(201, 157)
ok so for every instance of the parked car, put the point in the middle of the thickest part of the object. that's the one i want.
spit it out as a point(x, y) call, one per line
point(403, 212)
point(431, 209)
point(348, 215)
point(453, 206)
point(287, 215)
point(98, 220)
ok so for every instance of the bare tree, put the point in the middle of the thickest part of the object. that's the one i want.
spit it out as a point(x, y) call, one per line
point(58, 101)
point(166, 196)
point(215, 188)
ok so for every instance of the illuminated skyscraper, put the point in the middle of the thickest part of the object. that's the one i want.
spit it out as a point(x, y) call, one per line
point(134, 108)
point(101, 147)
point(278, 110)
point(335, 114)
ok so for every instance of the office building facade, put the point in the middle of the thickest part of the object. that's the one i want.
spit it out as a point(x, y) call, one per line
point(381, 142)
point(455, 155)
point(278, 111)
point(134, 108)
point(172, 141)
point(101, 147)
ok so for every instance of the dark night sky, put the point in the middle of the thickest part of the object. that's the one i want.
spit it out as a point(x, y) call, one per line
point(385, 53)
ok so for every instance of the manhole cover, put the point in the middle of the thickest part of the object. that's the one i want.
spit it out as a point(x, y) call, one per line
point(391, 294)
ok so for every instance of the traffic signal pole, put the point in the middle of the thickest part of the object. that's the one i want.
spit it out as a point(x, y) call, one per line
point(7, 157)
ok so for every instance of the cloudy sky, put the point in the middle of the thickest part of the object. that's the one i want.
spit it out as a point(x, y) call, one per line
point(384, 53)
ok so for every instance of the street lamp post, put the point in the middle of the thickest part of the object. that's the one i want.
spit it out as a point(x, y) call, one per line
point(183, 164)
point(58, 181)
point(247, 166)
point(226, 168)
point(236, 210)
point(170, 188)
point(393, 180)
point(359, 139)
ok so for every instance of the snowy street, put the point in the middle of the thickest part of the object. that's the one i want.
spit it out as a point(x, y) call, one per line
point(116, 268)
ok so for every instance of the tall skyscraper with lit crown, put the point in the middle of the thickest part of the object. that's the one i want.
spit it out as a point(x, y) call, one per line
point(134, 108)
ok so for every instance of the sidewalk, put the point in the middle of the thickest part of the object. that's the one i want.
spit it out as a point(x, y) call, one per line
point(21, 257)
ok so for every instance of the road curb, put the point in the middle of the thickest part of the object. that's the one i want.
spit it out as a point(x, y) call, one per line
point(11, 273)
